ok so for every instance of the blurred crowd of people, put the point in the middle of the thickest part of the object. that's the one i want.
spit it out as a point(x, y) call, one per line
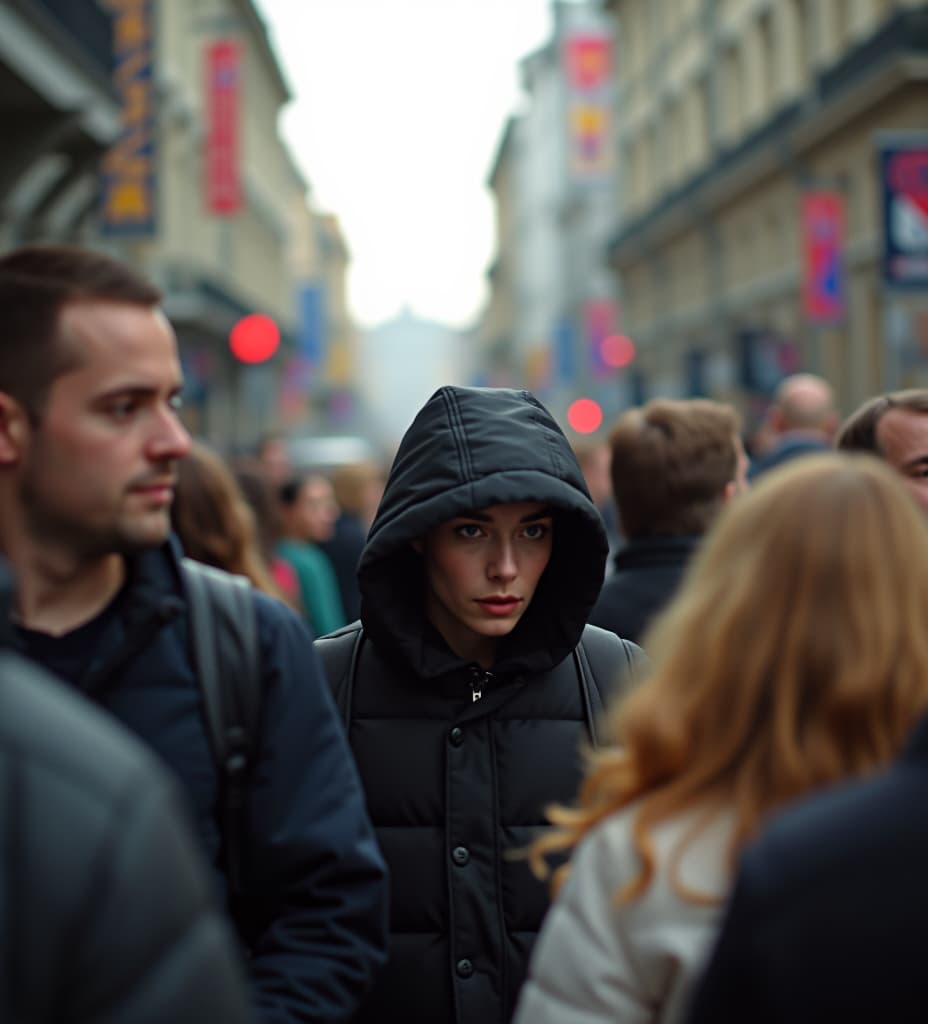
point(628, 731)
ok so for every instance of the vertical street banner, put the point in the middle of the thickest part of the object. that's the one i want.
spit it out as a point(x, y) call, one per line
point(587, 73)
point(223, 127)
point(824, 292)
point(128, 171)
point(599, 320)
point(904, 183)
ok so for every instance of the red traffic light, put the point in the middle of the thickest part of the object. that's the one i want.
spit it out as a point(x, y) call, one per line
point(585, 415)
point(254, 338)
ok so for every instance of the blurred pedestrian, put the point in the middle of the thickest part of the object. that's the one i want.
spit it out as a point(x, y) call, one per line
point(894, 427)
point(106, 910)
point(308, 512)
point(358, 488)
point(214, 522)
point(595, 458)
point(675, 464)
point(262, 499)
point(801, 420)
point(794, 656)
point(273, 459)
point(828, 914)
point(468, 687)
point(89, 444)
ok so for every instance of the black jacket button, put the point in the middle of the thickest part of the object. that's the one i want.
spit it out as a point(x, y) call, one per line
point(460, 855)
point(456, 736)
point(464, 968)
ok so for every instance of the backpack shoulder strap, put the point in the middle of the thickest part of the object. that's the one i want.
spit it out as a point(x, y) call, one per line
point(339, 652)
point(224, 639)
point(606, 666)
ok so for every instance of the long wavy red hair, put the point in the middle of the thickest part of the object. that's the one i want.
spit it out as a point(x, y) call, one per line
point(795, 655)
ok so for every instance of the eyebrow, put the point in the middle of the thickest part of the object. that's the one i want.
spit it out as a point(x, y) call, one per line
point(482, 517)
point(136, 391)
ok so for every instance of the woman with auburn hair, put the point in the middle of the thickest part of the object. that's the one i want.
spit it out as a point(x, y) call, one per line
point(795, 655)
point(214, 522)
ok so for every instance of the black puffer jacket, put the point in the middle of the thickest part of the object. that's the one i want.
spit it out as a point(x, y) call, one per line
point(455, 785)
point(106, 911)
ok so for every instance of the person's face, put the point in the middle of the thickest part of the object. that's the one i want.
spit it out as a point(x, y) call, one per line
point(316, 510)
point(275, 460)
point(482, 570)
point(903, 440)
point(97, 472)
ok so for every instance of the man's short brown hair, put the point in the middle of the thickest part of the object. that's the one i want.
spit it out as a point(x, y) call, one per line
point(858, 433)
point(36, 283)
point(671, 463)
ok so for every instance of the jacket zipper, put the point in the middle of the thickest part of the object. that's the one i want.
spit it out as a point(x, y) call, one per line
point(478, 680)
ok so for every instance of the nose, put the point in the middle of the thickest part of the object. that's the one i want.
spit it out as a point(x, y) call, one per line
point(503, 567)
point(169, 439)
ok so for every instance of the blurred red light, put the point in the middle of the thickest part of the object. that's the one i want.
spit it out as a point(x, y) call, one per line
point(617, 351)
point(254, 338)
point(584, 415)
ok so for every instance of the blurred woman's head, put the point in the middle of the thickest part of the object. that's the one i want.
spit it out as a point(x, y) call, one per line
point(214, 522)
point(794, 655)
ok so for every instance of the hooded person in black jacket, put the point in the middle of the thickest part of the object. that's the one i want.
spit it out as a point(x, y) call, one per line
point(467, 692)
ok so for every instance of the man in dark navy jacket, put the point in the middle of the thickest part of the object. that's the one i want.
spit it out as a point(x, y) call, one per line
point(89, 438)
point(827, 919)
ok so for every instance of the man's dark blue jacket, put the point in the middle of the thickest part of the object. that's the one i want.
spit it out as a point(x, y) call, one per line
point(315, 881)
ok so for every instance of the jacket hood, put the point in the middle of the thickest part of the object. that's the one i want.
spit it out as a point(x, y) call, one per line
point(469, 448)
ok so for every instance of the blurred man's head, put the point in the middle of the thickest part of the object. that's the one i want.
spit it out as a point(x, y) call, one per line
point(893, 427)
point(805, 403)
point(674, 465)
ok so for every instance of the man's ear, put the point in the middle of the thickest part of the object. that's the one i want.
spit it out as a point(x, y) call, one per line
point(731, 489)
point(14, 429)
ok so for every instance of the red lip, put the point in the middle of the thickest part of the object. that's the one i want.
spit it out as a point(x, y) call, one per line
point(499, 605)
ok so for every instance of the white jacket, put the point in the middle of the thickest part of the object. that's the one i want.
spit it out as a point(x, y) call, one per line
point(635, 963)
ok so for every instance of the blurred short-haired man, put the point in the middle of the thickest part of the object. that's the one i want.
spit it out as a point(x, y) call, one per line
point(801, 419)
point(894, 427)
point(674, 465)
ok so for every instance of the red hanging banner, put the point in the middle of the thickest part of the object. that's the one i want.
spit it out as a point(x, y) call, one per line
point(223, 97)
point(823, 289)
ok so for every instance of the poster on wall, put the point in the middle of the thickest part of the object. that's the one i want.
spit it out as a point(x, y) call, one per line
point(824, 293)
point(128, 172)
point(904, 186)
point(223, 129)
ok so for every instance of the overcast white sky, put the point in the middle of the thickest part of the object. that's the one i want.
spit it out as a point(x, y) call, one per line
point(399, 106)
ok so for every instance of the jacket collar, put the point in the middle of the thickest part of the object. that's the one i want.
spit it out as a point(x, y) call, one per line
point(150, 600)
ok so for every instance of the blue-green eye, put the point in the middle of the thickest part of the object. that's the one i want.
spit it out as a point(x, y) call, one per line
point(470, 531)
point(536, 531)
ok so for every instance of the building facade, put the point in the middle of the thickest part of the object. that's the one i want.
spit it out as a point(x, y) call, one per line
point(551, 293)
point(734, 113)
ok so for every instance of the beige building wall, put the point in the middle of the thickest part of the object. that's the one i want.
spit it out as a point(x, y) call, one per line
point(247, 252)
point(709, 242)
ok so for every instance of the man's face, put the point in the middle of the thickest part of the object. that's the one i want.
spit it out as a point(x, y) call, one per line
point(482, 570)
point(97, 473)
point(902, 437)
